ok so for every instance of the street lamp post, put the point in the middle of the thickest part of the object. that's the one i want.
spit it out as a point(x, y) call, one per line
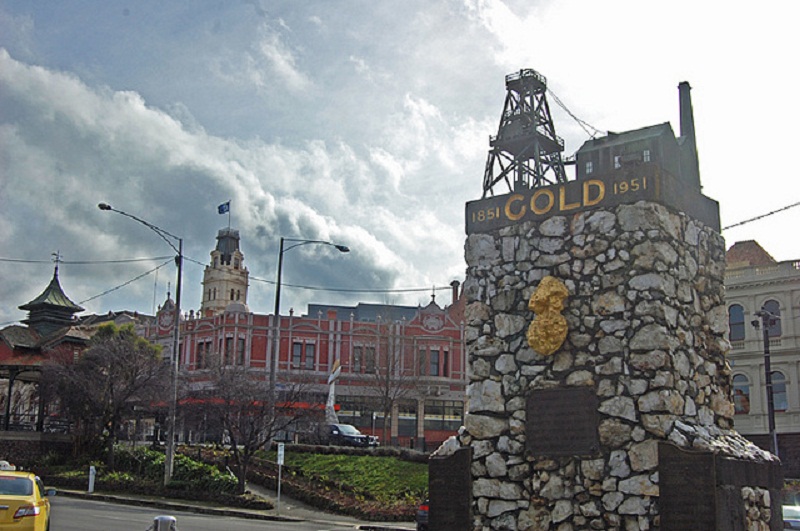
point(176, 334)
point(767, 320)
point(273, 362)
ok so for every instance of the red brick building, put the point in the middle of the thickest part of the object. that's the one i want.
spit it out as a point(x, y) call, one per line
point(402, 365)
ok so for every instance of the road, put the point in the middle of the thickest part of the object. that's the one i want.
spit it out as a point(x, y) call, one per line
point(74, 514)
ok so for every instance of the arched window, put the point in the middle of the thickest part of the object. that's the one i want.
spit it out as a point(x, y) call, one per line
point(232, 294)
point(741, 394)
point(774, 308)
point(779, 390)
point(736, 322)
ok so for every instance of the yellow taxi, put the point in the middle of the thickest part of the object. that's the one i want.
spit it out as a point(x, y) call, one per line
point(23, 500)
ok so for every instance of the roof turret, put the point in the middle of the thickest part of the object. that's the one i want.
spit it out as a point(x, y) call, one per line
point(52, 309)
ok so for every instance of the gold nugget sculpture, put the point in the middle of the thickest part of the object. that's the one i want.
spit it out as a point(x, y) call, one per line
point(548, 330)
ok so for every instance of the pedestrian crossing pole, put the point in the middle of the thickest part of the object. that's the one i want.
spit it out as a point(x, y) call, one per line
point(280, 465)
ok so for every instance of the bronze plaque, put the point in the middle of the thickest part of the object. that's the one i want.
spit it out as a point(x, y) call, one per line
point(687, 483)
point(562, 422)
point(450, 491)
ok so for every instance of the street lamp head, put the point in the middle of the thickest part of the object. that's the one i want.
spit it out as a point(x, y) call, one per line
point(342, 248)
point(104, 206)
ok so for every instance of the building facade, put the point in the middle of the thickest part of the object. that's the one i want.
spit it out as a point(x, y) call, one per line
point(755, 281)
point(403, 368)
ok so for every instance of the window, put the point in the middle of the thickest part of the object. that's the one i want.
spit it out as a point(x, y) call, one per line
point(200, 357)
point(736, 322)
point(779, 390)
point(423, 362)
point(310, 357)
point(589, 167)
point(232, 294)
point(236, 263)
point(443, 415)
point(741, 394)
point(646, 155)
point(303, 355)
point(434, 365)
point(369, 359)
point(297, 355)
point(774, 308)
point(240, 351)
point(229, 354)
point(617, 163)
point(360, 411)
point(357, 359)
point(407, 419)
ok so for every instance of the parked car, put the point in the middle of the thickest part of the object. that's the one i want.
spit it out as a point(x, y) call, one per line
point(422, 516)
point(791, 516)
point(347, 435)
point(24, 502)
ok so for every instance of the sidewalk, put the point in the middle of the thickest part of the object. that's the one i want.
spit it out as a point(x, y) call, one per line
point(289, 511)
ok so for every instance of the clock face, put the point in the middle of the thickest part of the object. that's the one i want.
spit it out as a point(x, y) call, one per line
point(165, 319)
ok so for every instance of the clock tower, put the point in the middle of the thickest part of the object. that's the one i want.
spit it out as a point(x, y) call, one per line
point(225, 279)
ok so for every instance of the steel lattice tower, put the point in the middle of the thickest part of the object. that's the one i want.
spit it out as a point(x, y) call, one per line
point(526, 147)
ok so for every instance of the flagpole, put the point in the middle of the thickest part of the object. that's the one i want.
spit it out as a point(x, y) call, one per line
point(229, 214)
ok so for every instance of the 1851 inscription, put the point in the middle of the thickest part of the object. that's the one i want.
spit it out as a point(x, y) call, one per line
point(562, 422)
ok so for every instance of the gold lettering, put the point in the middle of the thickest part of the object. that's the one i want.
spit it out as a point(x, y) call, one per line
point(550, 203)
point(514, 216)
point(601, 192)
point(562, 201)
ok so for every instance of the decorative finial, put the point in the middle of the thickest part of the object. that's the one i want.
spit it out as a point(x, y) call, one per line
point(57, 259)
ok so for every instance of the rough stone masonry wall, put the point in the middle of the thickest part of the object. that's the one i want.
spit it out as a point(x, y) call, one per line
point(647, 323)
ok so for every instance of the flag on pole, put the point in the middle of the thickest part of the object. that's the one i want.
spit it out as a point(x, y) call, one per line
point(224, 207)
point(336, 370)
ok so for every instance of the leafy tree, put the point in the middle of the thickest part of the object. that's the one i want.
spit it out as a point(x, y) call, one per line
point(117, 371)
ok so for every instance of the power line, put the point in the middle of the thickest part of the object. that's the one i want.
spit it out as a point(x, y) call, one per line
point(84, 262)
point(761, 216)
point(126, 283)
point(584, 125)
point(348, 290)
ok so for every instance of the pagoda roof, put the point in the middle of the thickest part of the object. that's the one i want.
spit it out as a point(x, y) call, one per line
point(52, 296)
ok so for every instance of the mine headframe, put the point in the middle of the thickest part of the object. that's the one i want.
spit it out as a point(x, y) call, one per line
point(526, 153)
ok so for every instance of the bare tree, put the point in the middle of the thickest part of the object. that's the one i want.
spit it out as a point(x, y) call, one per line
point(238, 400)
point(391, 370)
point(99, 389)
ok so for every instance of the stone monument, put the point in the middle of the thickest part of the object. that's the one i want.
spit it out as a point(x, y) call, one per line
point(599, 393)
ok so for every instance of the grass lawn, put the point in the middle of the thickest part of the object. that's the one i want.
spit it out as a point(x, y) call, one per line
point(386, 479)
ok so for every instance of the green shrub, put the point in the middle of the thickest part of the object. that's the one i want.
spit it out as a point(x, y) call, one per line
point(187, 473)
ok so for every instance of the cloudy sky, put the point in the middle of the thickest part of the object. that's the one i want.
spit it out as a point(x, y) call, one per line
point(364, 123)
